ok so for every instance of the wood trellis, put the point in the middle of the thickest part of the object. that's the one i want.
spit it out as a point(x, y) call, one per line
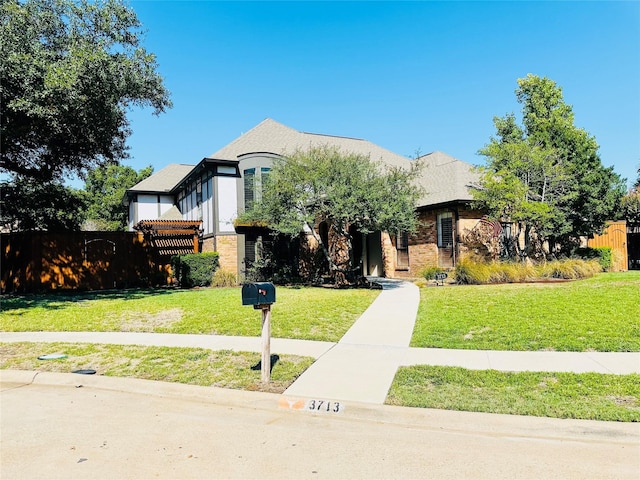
point(171, 237)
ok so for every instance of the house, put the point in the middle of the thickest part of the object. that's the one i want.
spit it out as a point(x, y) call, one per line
point(223, 184)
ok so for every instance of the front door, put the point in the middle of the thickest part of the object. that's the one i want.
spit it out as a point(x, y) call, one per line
point(373, 254)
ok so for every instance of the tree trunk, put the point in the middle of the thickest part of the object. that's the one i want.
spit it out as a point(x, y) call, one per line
point(340, 255)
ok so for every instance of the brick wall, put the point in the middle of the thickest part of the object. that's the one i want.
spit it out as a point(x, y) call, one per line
point(228, 249)
point(423, 245)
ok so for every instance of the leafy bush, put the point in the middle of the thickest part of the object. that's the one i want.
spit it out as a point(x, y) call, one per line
point(429, 273)
point(604, 255)
point(194, 269)
point(224, 278)
point(268, 269)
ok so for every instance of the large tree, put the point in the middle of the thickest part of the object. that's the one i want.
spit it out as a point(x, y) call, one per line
point(546, 176)
point(70, 71)
point(347, 191)
point(105, 187)
point(630, 204)
point(28, 204)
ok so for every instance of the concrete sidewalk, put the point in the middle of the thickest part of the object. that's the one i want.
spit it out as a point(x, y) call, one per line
point(306, 348)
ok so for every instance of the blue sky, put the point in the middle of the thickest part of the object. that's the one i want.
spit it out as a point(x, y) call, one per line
point(408, 76)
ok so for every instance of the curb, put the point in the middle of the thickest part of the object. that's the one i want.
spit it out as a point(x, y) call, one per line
point(454, 422)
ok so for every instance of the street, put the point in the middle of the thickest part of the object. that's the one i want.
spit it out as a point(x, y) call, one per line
point(108, 428)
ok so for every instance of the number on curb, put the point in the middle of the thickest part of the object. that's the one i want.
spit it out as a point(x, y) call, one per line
point(324, 406)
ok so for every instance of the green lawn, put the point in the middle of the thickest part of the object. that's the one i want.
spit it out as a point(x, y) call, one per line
point(194, 366)
point(601, 314)
point(305, 313)
point(560, 395)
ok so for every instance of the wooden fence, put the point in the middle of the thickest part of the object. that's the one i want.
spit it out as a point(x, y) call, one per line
point(42, 261)
point(614, 236)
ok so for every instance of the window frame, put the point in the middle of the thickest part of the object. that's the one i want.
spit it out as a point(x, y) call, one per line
point(448, 217)
point(402, 250)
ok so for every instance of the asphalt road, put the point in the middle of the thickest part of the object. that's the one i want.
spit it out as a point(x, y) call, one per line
point(131, 429)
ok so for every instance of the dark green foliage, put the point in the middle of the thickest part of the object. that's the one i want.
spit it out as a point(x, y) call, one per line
point(106, 187)
point(349, 192)
point(27, 204)
point(630, 206)
point(70, 71)
point(277, 261)
point(604, 255)
point(195, 269)
point(429, 273)
point(546, 176)
point(268, 269)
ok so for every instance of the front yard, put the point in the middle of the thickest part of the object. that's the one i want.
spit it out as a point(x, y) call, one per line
point(303, 313)
point(597, 314)
point(601, 314)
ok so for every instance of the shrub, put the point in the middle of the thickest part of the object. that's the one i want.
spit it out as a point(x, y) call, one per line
point(473, 272)
point(224, 278)
point(518, 272)
point(604, 255)
point(470, 272)
point(569, 269)
point(270, 269)
point(429, 273)
point(194, 269)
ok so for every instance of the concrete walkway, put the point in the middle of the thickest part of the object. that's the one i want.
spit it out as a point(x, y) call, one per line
point(362, 365)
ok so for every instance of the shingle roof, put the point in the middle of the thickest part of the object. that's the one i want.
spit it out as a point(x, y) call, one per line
point(273, 137)
point(164, 180)
point(445, 179)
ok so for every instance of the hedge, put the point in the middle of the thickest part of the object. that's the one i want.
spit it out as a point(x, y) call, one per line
point(195, 269)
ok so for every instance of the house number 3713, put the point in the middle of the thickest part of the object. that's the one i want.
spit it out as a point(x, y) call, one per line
point(324, 406)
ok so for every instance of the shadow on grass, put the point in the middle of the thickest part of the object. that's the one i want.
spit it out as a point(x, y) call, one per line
point(274, 360)
point(57, 300)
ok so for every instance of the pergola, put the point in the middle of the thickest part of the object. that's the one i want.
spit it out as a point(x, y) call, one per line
point(171, 237)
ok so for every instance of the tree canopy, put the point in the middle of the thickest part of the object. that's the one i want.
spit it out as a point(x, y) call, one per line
point(630, 204)
point(546, 176)
point(28, 204)
point(70, 70)
point(347, 191)
point(105, 187)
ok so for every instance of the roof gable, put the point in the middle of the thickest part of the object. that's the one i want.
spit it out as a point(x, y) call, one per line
point(445, 179)
point(274, 137)
point(165, 180)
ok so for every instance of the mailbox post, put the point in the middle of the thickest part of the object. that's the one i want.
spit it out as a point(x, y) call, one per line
point(261, 296)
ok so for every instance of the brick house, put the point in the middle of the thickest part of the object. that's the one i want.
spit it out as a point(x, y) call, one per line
point(221, 185)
